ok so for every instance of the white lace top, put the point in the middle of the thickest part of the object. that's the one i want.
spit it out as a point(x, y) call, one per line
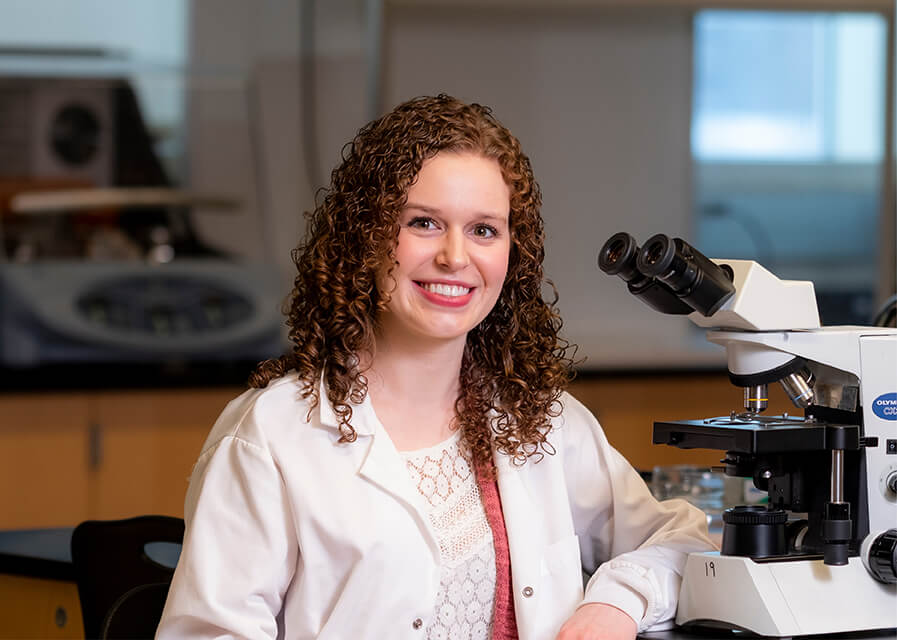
point(467, 584)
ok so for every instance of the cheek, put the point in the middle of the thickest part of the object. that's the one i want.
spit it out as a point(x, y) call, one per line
point(409, 252)
point(500, 264)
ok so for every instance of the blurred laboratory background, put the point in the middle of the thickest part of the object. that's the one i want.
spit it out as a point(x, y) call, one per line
point(156, 158)
point(206, 128)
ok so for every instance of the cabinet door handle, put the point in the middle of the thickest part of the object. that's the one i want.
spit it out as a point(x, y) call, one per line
point(95, 446)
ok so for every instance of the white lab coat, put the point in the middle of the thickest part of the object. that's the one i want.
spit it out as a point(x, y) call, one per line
point(291, 534)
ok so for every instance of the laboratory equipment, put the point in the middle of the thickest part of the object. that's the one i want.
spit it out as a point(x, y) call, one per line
point(821, 556)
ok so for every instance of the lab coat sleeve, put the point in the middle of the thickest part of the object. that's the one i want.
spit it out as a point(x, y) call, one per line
point(637, 544)
point(240, 550)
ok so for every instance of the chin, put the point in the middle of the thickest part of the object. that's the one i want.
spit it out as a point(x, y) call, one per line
point(444, 333)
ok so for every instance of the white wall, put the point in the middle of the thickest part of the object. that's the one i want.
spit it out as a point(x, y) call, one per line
point(599, 99)
point(601, 103)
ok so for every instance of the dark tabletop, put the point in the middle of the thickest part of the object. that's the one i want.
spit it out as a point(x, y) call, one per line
point(37, 553)
point(717, 634)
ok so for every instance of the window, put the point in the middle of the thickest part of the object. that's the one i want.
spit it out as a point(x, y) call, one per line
point(788, 143)
point(147, 42)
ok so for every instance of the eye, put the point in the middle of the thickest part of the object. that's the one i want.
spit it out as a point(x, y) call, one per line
point(485, 231)
point(423, 223)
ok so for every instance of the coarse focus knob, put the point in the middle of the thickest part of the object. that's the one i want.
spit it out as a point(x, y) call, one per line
point(891, 482)
point(879, 554)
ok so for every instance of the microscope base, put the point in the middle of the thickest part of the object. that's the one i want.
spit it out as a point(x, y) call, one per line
point(783, 597)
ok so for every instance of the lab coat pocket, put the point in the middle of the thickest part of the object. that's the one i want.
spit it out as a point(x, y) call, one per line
point(562, 587)
point(558, 591)
point(562, 558)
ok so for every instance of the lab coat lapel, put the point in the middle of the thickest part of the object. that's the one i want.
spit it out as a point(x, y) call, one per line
point(526, 536)
point(385, 468)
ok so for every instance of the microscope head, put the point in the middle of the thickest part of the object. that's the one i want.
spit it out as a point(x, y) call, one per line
point(730, 297)
point(673, 277)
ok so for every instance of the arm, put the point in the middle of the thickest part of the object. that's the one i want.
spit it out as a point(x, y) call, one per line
point(637, 544)
point(240, 549)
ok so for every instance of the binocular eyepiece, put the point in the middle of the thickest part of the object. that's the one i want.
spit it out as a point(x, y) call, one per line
point(668, 274)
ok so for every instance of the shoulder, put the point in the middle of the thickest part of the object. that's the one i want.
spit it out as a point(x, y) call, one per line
point(574, 415)
point(575, 426)
point(261, 417)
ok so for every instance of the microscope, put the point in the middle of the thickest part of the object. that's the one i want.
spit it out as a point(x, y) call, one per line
point(821, 556)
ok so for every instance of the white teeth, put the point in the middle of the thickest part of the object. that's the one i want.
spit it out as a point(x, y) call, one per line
point(450, 290)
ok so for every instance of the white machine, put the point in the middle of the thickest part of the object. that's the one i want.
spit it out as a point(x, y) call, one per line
point(821, 556)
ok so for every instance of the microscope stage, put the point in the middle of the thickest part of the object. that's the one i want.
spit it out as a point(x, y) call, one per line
point(760, 434)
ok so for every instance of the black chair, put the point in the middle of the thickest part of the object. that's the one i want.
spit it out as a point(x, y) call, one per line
point(122, 589)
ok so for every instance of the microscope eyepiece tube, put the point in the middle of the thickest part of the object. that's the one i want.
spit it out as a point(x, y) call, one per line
point(618, 257)
point(691, 275)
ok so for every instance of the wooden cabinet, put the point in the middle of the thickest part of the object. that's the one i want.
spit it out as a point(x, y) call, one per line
point(37, 608)
point(69, 457)
point(149, 441)
point(44, 454)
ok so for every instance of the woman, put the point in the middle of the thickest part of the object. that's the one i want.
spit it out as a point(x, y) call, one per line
point(414, 468)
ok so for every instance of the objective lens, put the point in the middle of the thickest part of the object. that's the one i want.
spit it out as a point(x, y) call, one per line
point(799, 387)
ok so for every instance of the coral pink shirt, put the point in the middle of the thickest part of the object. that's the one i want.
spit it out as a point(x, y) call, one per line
point(504, 623)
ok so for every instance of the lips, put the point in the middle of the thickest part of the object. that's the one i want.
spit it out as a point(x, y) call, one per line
point(444, 294)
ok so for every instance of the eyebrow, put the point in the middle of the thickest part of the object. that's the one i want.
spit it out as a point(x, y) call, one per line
point(434, 211)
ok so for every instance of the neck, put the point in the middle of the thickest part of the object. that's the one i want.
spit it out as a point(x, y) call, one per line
point(414, 388)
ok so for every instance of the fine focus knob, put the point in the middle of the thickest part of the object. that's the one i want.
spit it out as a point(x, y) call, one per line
point(879, 554)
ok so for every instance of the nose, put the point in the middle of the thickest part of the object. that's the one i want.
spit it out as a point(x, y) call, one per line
point(452, 254)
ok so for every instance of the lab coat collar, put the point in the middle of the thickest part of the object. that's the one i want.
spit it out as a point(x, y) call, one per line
point(363, 418)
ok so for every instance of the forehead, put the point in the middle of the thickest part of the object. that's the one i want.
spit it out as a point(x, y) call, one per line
point(460, 180)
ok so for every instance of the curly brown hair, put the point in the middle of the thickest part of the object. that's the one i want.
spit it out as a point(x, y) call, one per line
point(515, 363)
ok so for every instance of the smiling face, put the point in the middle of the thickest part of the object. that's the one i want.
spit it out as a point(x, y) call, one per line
point(452, 252)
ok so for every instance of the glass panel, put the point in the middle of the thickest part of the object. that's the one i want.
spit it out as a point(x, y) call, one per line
point(788, 140)
point(130, 230)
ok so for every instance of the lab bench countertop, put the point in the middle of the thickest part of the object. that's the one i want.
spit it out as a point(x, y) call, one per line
point(46, 553)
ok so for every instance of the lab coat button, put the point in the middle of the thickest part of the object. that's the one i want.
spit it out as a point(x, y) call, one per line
point(527, 592)
point(418, 623)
